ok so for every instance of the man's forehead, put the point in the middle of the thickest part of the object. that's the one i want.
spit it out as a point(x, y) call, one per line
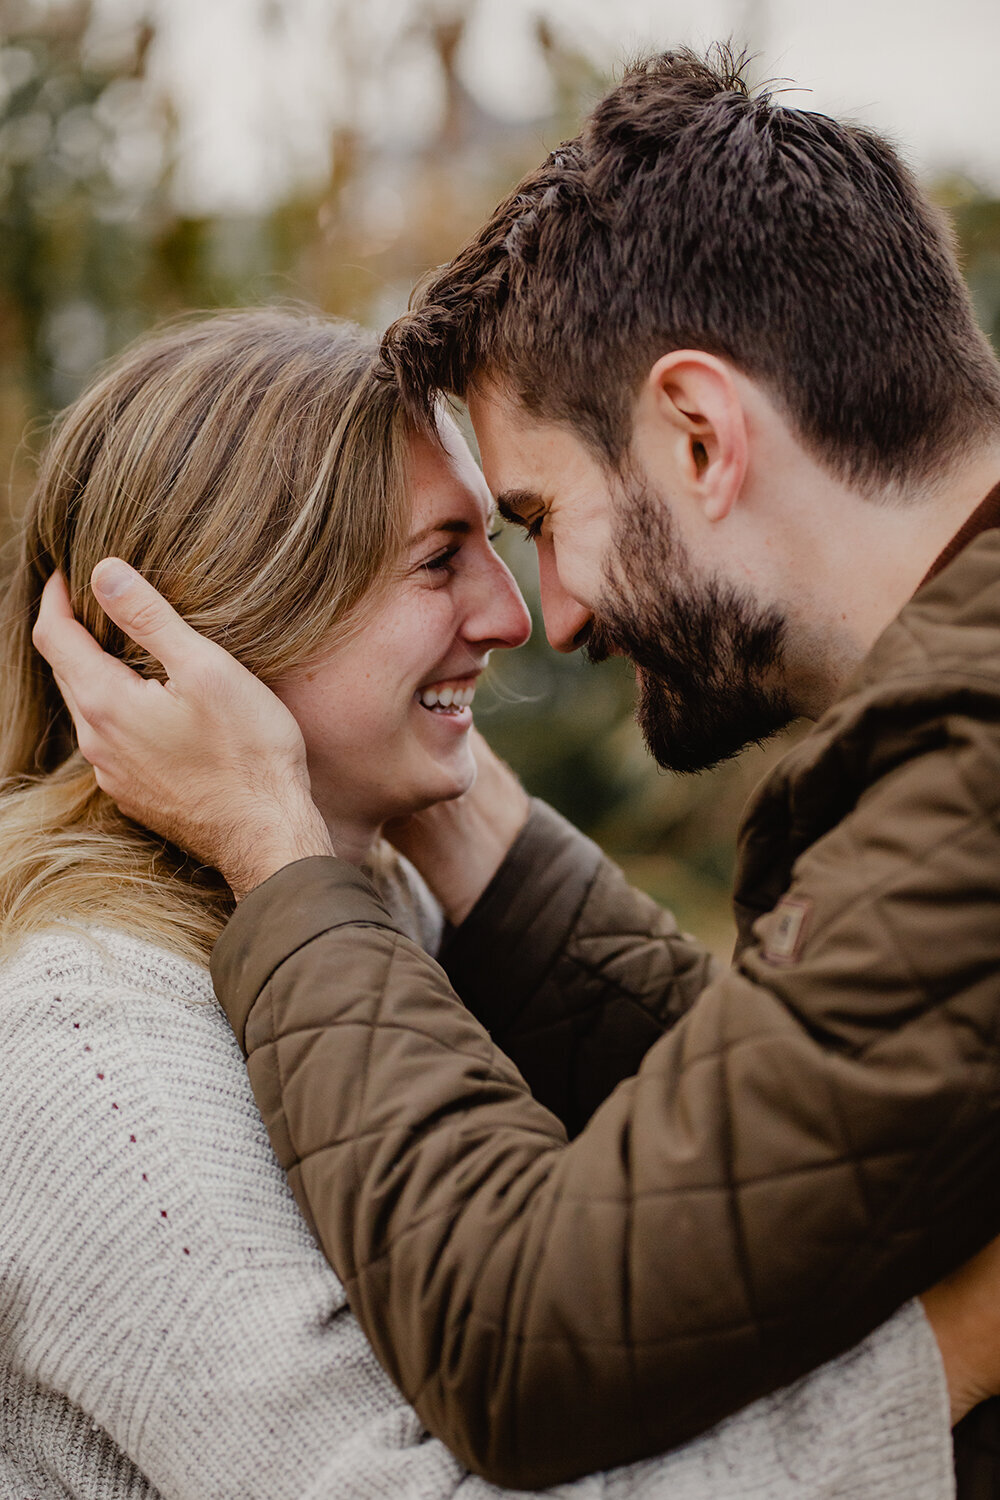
point(519, 451)
point(495, 415)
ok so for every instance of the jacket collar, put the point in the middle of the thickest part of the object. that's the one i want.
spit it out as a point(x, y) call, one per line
point(985, 517)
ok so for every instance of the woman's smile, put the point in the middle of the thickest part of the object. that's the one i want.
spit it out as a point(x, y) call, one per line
point(386, 715)
point(449, 697)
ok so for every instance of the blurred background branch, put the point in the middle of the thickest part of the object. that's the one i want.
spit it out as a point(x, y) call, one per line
point(163, 155)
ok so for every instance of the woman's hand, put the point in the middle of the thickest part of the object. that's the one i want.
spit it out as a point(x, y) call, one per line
point(964, 1313)
point(210, 759)
point(458, 846)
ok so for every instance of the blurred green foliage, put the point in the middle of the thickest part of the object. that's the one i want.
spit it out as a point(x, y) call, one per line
point(93, 250)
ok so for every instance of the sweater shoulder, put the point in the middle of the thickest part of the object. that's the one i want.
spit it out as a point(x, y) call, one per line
point(117, 1049)
point(98, 958)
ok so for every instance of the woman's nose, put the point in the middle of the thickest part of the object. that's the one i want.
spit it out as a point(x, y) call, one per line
point(501, 616)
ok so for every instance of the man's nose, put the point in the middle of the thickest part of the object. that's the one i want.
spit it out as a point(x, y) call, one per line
point(567, 621)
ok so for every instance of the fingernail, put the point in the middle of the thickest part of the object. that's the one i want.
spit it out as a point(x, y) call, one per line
point(112, 577)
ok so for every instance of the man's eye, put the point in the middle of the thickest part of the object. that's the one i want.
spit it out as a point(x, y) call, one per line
point(494, 536)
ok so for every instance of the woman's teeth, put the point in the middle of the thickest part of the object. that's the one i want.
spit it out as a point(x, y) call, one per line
point(447, 699)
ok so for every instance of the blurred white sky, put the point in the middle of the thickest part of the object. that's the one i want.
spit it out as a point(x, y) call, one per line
point(258, 101)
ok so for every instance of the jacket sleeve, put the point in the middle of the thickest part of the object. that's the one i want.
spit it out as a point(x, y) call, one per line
point(814, 1141)
point(574, 973)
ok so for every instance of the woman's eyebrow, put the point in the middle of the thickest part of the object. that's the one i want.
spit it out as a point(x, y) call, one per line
point(456, 528)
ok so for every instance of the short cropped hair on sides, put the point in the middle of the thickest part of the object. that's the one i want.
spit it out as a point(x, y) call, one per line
point(692, 213)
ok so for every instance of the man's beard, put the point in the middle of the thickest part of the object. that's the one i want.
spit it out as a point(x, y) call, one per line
point(707, 656)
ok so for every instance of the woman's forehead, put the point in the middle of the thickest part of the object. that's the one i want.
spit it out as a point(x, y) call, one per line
point(445, 482)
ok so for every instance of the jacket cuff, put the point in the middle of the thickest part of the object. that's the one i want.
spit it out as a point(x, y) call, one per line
point(520, 924)
point(284, 913)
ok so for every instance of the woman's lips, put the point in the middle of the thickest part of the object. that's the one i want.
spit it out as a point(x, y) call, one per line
point(449, 695)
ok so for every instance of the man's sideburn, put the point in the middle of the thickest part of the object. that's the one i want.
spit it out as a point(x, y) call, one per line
point(708, 657)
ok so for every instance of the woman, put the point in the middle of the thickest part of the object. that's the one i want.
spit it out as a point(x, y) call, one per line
point(168, 1325)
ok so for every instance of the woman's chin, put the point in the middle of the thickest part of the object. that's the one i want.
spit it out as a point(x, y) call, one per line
point(447, 782)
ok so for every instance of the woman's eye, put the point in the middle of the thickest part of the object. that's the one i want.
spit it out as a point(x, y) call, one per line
point(442, 562)
point(533, 528)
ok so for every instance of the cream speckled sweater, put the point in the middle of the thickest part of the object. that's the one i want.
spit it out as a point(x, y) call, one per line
point(168, 1327)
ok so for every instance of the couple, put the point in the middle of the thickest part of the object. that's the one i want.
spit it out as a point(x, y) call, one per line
point(723, 369)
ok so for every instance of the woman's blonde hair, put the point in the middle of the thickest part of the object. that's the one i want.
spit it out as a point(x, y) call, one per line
point(253, 466)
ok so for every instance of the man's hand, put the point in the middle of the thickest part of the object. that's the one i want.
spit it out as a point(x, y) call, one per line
point(964, 1312)
point(210, 759)
point(459, 846)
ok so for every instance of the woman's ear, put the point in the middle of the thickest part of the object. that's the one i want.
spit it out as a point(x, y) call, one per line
point(691, 415)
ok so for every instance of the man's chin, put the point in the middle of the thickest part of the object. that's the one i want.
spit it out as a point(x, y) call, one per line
point(688, 738)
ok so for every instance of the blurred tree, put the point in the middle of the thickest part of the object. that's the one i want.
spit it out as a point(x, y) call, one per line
point(94, 248)
point(82, 154)
point(976, 217)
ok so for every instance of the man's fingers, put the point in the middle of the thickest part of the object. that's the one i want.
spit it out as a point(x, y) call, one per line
point(53, 632)
point(98, 689)
point(67, 646)
point(55, 598)
point(89, 741)
point(68, 699)
point(145, 616)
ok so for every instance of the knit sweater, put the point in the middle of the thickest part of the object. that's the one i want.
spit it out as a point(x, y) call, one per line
point(168, 1326)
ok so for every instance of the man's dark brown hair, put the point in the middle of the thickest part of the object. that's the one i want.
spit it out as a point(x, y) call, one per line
point(690, 213)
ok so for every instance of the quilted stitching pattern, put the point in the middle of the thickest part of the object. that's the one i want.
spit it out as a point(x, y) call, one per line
point(802, 1147)
point(579, 1019)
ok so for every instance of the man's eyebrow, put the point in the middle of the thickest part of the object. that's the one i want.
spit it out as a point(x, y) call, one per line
point(454, 528)
point(517, 505)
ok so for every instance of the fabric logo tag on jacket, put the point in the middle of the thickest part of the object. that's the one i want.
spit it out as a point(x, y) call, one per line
point(788, 929)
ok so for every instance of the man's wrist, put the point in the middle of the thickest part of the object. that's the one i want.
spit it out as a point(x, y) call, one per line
point(964, 1391)
point(465, 866)
point(963, 1311)
point(271, 846)
point(459, 845)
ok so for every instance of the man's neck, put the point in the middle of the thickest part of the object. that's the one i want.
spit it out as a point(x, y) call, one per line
point(875, 558)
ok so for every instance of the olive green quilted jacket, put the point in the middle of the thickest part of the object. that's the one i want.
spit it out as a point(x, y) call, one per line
point(613, 1195)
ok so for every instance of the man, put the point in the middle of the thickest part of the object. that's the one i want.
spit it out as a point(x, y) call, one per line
point(722, 367)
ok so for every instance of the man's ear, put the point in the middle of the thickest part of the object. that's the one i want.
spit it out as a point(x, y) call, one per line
point(691, 404)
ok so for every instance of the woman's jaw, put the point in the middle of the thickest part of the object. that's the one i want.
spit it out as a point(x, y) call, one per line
point(440, 764)
point(386, 712)
point(378, 751)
